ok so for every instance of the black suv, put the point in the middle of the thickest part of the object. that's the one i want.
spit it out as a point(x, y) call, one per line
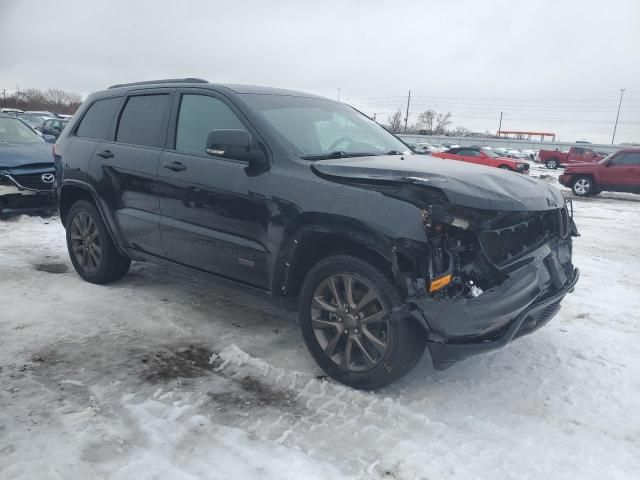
point(315, 205)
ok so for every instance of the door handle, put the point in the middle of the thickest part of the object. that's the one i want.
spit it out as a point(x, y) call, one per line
point(174, 166)
point(105, 154)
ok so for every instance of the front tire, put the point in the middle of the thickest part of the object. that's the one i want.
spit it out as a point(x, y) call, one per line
point(583, 186)
point(344, 310)
point(92, 252)
point(552, 163)
point(505, 167)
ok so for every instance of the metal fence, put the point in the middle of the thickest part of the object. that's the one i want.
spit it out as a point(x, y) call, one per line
point(508, 143)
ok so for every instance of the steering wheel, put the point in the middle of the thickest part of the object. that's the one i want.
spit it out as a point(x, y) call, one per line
point(333, 146)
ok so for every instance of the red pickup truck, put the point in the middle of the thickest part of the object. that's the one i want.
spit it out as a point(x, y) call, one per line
point(555, 158)
point(618, 172)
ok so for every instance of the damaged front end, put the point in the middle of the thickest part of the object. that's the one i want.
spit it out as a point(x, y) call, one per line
point(497, 260)
point(490, 276)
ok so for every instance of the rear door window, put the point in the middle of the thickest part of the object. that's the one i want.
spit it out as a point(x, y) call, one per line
point(142, 121)
point(96, 122)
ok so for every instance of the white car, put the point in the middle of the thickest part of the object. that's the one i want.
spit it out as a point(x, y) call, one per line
point(513, 153)
point(501, 151)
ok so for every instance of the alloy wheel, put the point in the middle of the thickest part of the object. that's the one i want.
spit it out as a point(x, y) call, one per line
point(582, 186)
point(350, 322)
point(85, 242)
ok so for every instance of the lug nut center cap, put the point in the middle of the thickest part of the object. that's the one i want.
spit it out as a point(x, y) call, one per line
point(350, 321)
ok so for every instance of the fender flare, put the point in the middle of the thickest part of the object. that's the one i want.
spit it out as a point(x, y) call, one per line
point(347, 228)
point(107, 218)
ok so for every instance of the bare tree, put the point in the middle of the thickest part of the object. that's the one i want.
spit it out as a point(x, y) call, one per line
point(425, 120)
point(460, 131)
point(442, 121)
point(395, 122)
point(55, 100)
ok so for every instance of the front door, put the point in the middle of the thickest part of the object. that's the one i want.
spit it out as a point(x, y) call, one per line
point(213, 215)
point(622, 173)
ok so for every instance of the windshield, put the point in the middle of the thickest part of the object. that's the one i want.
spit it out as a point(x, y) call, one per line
point(13, 130)
point(607, 158)
point(317, 128)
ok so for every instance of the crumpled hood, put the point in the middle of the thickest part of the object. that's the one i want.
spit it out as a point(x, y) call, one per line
point(463, 183)
point(17, 155)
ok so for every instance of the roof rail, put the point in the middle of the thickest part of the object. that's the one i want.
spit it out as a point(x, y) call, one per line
point(166, 80)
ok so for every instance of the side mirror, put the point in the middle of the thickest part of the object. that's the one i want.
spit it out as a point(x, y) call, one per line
point(49, 138)
point(229, 143)
point(237, 145)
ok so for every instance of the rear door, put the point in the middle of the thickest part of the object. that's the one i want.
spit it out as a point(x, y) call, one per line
point(623, 173)
point(125, 168)
point(214, 215)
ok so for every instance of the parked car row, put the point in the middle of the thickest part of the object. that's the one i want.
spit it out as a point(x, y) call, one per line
point(45, 122)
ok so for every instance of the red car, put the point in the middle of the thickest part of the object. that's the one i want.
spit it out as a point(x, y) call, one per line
point(619, 172)
point(555, 158)
point(483, 157)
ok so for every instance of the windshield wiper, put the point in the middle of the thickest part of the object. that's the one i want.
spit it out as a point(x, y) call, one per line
point(338, 154)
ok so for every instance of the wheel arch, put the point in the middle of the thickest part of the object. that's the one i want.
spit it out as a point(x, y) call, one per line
point(72, 191)
point(321, 237)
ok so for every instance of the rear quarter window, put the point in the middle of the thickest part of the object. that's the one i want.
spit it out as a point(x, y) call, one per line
point(96, 122)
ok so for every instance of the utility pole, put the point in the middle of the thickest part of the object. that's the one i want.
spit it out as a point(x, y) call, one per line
point(338, 93)
point(500, 124)
point(4, 97)
point(406, 118)
point(615, 127)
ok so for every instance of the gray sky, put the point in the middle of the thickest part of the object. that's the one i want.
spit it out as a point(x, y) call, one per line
point(549, 65)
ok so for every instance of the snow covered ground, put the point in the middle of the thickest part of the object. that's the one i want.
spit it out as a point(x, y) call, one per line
point(162, 376)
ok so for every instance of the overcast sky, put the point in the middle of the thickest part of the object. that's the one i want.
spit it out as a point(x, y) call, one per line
point(553, 66)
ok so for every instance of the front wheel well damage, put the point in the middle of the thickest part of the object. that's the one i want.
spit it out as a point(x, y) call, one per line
point(313, 247)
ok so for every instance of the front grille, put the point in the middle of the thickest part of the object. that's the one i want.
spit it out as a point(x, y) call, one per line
point(518, 234)
point(33, 181)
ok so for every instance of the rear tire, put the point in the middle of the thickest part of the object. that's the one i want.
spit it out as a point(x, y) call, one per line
point(583, 186)
point(552, 163)
point(91, 249)
point(351, 336)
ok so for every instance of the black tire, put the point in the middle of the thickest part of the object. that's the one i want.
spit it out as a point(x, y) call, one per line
point(505, 167)
point(552, 163)
point(94, 256)
point(404, 341)
point(583, 186)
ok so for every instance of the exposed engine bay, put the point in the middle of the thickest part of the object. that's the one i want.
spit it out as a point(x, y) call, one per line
point(473, 253)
